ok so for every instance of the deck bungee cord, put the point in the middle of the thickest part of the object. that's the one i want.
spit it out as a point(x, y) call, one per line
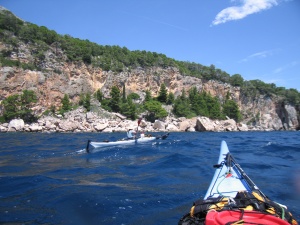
point(233, 198)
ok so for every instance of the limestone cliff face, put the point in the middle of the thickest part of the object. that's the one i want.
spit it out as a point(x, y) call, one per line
point(59, 77)
point(73, 80)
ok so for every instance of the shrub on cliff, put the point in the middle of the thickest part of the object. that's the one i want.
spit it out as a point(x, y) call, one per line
point(155, 110)
point(231, 109)
point(66, 104)
point(148, 96)
point(9, 22)
point(85, 101)
point(115, 100)
point(182, 106)
point(128, 109)
point(292, 96)
point(213, 106)
point(133, 96)
point(197, 104)
point(236, 80)
point(19, 106)
point(118, 103)
point(163, 94)
point(98, 95)
point(170, 99)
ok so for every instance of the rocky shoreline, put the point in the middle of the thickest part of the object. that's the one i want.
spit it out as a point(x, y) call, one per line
point(81, 121)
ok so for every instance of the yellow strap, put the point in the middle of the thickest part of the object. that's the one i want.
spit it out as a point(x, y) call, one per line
point(192, 211)
point(238, 222)
point(294, 222)
point(248, 207)
point(220, 205)
point(258, 196)
point(271, 210)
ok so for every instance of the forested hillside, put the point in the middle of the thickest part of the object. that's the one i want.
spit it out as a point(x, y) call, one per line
point(20, 38)
point(118, 59)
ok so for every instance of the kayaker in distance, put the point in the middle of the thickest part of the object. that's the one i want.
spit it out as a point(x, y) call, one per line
point(130, 134)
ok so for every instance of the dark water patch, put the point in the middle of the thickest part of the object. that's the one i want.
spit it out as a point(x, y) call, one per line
point(50, 179)
point(174, 160)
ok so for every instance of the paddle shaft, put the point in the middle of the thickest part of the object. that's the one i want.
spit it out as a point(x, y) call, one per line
point(137, 129)
point(245, 176)
point(87, 146)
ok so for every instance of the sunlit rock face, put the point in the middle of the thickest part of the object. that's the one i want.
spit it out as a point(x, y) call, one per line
point(58, 76)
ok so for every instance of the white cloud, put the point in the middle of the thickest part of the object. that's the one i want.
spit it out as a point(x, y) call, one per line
point(246, 8)
point(275, 81)
point(278, 70)
point(287, 66)
point(260, 55)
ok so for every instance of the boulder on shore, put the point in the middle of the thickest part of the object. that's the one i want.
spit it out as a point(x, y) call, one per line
point(184, 125)
point(204, 124)
point(159, 125)
point(171, 127)
point(16, 125)
point(227, 125)
point(68, 125)
point(100, 127)
point(242, 127)
point(35, 127)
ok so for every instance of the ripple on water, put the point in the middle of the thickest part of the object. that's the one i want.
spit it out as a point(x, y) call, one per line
point(50, 179)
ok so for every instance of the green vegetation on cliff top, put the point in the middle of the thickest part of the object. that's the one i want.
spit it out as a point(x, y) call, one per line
point(117, 59)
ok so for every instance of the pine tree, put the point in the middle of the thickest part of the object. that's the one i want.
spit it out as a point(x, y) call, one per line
point(81, 99)
point(124, 94)
point(182, 106)
point(198, 102)
point(98, 95)
point(11, 107)
point(16, 106)
point(66, 104)
point(129, 109)
point(148, 96)
point(213, 106)
point(199, 106)
point(114, 103)
point(87, 102)
point(28, 97)
point(132, 110)
point(171, 99)
point(155, 110)
point(163, 94)
point(215, 110)
point(231, 109)
point(133, 96)
point(193, 93)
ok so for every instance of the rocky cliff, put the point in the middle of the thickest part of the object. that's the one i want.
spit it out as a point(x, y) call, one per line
point(58, 76)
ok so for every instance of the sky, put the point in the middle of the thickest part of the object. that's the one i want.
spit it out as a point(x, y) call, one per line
point(259, 39)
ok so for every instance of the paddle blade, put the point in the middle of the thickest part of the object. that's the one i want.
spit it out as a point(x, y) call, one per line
point(165, 136)
point(87, 148)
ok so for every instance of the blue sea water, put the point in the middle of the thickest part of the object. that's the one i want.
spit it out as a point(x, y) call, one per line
point(50, 179)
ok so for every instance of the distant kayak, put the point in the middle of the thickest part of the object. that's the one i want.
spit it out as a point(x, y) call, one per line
point(107, 143)
point(233, 198)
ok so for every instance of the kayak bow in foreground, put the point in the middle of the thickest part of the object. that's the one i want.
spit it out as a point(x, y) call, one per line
point(233, 198)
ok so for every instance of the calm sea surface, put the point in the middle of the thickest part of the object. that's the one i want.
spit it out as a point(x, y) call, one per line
point(49, 179)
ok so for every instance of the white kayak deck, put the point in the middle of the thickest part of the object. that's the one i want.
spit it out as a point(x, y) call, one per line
point(122, 142)
point(228, 178)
